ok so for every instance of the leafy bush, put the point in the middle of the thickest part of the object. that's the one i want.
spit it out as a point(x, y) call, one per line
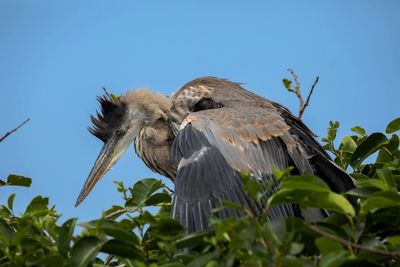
point(129, 235)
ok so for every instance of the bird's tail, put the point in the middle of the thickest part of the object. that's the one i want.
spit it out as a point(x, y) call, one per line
point(338, 180)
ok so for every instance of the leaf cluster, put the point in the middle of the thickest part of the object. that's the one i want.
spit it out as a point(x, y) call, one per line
point(141, 232)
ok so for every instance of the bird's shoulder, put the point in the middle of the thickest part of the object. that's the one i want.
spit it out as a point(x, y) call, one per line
point(240, 123)
point(220, 91)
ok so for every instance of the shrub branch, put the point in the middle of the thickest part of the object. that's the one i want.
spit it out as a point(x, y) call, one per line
point(297, 91)
point(395, 255)
point(13, 130)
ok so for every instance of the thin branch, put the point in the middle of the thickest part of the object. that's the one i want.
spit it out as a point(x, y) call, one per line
point(309, 96)
point(297, 85)
point(13, 130)
point(395, 255)
point(297, 91)
point(106, 92)
point(109, 259)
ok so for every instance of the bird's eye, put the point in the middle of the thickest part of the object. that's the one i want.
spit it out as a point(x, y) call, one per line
point(119, 131)
point(159, 123)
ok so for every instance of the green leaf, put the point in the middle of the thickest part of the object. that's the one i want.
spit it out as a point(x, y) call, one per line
point(308, 182)
point(5, 229)
point(313, 199)
point(120, 186)
point(115, 98)
point(158, 199)
point(288, 84)
point(359, 176)
point(291, 261)
point(394, 240)
point(173, 264)
point(359, 130)
point(132, 263)
point(310, 191)
point(389, 150)
point(193, 239)
point(277, 230)
point(371, 144)
point(393, 126)
point(334, 259)
point(114, 212)
point(230, 205)
point(167, 227)
point(394, 142)
point(18, 180)
point(20, 234)
point(250, 186)
point(360, 263)
point(362, 192)
point(371, 182)
point(384, 156)
point(65, 235)
point(50, 261)
point(118, 231)
point(279, 174)
point(380, 200)
point(85, 251)
point(326, 245)
point(296, 248)
point(37, 205)
point(141, 191)
point(386, 176)
point(10, 201)
point(122, 249)
point(348, 144)
point(332, 130)
point(202, 260)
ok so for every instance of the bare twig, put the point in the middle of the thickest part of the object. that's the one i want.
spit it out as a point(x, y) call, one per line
point(109, 259)
point(308, 97)
point(395, 254)
point(107, 93)
point(297, 91)
point(13, 130)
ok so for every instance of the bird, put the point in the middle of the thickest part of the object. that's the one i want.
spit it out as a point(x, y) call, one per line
point(203, 137)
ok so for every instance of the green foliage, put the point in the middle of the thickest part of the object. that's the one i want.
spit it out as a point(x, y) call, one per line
point(365, 235)
point(17, 180)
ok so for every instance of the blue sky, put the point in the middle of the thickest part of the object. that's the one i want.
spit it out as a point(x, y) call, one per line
point(55, 56)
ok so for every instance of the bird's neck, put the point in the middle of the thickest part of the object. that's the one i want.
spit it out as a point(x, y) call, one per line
point(153, 146)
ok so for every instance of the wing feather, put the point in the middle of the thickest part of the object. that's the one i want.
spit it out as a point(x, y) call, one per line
point(210, 158)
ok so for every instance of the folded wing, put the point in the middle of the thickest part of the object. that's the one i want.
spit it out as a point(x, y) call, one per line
point(214, 146)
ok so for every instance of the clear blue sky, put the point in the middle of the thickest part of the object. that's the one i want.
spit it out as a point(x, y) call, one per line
point(56, 55)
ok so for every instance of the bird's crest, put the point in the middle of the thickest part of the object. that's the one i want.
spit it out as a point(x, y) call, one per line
point(110, 117)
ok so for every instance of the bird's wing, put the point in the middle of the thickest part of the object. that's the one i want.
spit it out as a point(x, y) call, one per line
point(214, 146)
point(337, 179)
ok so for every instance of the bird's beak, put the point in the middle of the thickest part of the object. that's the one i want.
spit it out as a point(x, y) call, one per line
point(112, 150)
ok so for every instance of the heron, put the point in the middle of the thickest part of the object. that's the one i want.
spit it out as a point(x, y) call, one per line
point(203, 137)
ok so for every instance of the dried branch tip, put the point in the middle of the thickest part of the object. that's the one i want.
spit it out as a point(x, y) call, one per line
point(302, 105)
point(13, 130)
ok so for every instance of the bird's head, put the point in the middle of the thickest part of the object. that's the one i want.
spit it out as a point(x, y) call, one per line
point(118, 124)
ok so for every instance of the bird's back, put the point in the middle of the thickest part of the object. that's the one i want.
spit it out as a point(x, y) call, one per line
point(222, 129)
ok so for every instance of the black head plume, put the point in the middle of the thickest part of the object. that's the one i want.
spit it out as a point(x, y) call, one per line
point(110, 117)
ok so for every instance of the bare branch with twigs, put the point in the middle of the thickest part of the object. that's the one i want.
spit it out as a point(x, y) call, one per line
point(13, 130)
point(297, 91)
